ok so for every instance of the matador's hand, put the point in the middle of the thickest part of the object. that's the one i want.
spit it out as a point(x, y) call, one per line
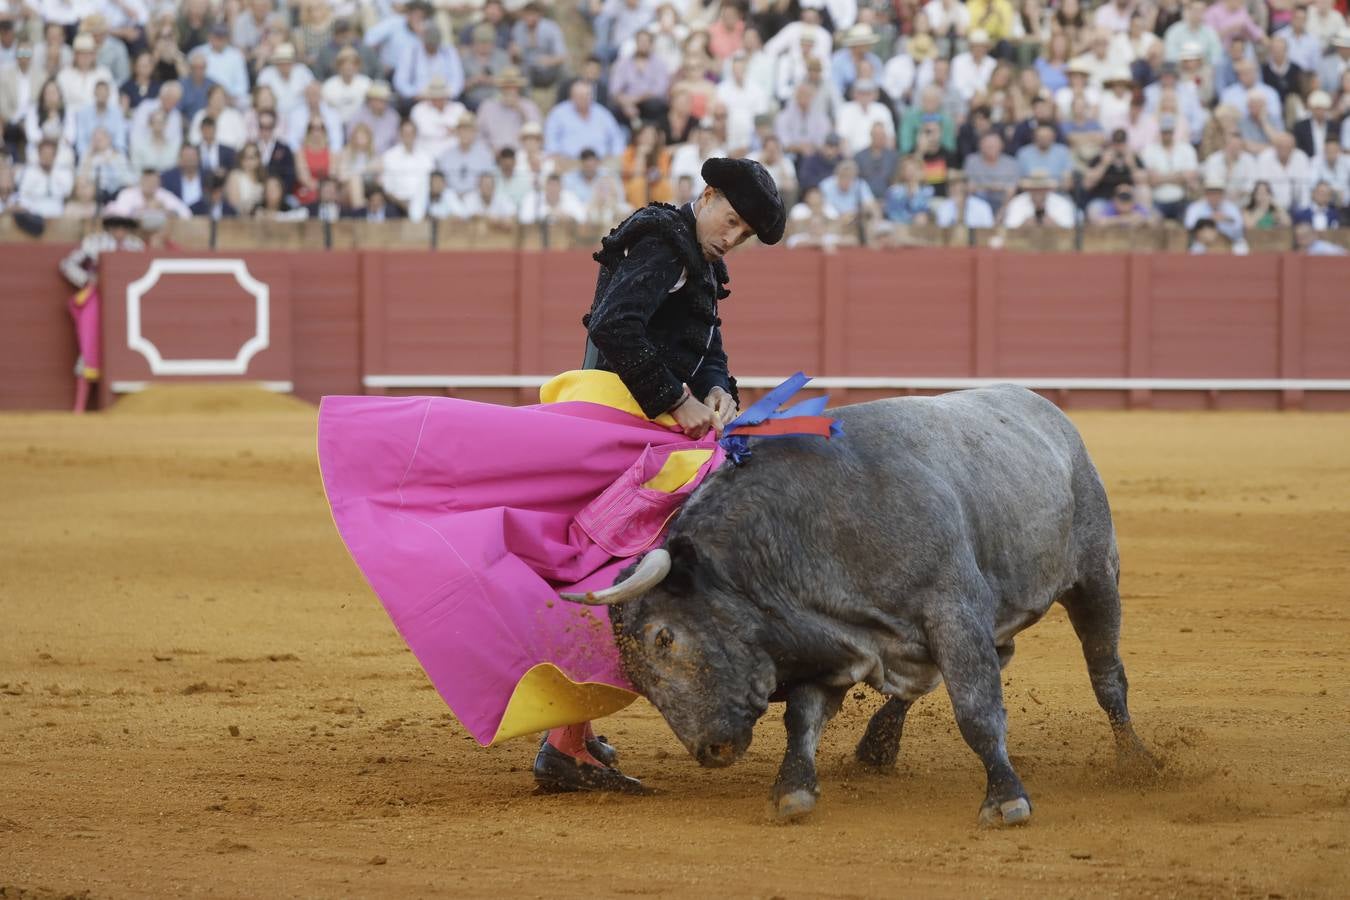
point(723, 406)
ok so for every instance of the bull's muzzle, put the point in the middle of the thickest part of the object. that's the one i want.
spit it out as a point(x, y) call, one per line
point(717, 756)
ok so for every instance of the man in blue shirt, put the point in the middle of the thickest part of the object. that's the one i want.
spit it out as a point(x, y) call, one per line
point(102, 113)
point(580, 123)
point(1043, 153)
point(427, 59)
point(225, 65)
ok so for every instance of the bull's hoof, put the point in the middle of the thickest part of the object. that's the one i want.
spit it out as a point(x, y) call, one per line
point(877, 754)
point(1136, 763)
point(794, 806)
point(1009, 812)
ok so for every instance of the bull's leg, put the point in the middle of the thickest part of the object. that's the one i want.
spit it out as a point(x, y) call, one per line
point(809, 707)
point(1094, 610)
point(880, 744)
point(965, 652)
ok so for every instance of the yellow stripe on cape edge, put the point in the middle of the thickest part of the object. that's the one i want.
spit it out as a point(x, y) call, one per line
point(545, 697)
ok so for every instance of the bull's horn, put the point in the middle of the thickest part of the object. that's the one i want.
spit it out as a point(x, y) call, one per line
point(654, 567)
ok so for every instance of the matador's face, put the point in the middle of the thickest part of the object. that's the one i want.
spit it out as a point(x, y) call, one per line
point(719, 227)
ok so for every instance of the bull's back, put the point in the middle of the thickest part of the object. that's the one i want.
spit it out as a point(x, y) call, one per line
point(997, 472)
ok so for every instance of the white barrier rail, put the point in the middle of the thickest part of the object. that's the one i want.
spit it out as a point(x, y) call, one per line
point(904, 383)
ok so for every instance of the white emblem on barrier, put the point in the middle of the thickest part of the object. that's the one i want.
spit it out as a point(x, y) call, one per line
point(250, 348)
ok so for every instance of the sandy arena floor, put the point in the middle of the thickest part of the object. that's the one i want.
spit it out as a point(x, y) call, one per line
point(199, 696)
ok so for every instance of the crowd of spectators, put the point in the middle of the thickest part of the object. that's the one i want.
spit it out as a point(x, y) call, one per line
point(872, 115)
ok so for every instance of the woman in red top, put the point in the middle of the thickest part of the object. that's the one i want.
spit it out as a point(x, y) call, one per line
point(313, 163)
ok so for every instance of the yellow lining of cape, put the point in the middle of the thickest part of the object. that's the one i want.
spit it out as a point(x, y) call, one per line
point(545, 697)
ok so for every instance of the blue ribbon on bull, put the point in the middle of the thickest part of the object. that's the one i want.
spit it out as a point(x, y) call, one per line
point(736, 436)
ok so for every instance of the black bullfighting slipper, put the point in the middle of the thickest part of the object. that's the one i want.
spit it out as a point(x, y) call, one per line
point(557, 773)
point(599, 747)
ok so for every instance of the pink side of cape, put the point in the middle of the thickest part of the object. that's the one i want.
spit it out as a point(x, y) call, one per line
point(86, 318)
point(462, 516)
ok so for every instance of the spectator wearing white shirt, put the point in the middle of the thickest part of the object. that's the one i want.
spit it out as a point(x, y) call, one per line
point(1172, 169)
point(444, 203)
point(1039, 205)
point(1287, 169)
point(1333, 167)
point(44, 186)
point(134, 201)
point(285, 78)
point(490, 204)
point(407, 172)
point(427, 59)
point(346, 91)
point(436, 116)
point(856, 117)
point(167, 103)
point(744, 101)
point(947, 18)
point(552, 205)
point(225, 64)
point(1114, 16)
point(1325, 21)
point(1234, 166)
point(126, 19)
point(972, 69)
point(789, 39)
point(1216, 206)
point(18, 92)
point(230, 129)
point(78, 80)
point(105, 166)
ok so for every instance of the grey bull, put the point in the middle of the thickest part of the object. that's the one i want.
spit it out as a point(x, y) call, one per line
point(908, 552)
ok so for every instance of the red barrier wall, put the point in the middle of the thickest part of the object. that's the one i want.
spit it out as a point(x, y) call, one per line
point(339, 316)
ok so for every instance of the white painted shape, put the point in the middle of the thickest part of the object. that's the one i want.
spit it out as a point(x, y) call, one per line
point(250, 348)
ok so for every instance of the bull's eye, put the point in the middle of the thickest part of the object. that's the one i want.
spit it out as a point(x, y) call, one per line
point(664, 638)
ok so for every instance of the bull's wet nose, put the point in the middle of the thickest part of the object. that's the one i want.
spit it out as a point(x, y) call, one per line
point(718, 754)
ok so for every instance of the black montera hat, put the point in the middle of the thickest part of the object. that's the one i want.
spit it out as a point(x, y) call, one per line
point(750, 189)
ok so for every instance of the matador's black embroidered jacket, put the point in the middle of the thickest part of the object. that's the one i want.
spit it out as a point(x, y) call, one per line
point(654, 316)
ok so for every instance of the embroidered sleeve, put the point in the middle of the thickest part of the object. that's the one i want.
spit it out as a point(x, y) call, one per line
point(618, 323)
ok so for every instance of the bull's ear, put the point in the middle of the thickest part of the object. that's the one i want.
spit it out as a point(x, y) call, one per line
point(684, 562)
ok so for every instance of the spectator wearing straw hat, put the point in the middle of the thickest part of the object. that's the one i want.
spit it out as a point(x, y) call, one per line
point(377, 114)
point(346, 90)
point(972, 69)
point(855, 48)
point(436, 116)
point(1310, 134)
point(346, 37)
point(466, 157)
point(1335, 63)
point(286, 78)
point(483, 60)
point(501, 117)
point(1216, 206)
point(1039, 205)
point(78, 79)
point(109, 51)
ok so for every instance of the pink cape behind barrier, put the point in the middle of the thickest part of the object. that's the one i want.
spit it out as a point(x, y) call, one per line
point(468, 518)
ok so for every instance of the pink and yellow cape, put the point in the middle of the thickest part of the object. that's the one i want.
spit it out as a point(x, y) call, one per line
point(467, 519)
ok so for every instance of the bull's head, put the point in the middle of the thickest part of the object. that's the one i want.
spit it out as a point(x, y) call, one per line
point(689, 644)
